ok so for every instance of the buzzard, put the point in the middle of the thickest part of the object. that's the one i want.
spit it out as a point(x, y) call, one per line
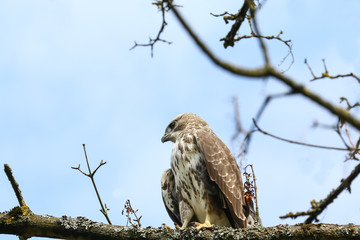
point(204, 182)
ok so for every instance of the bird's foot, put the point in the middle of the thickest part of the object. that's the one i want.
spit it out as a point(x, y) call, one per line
point(203, 225)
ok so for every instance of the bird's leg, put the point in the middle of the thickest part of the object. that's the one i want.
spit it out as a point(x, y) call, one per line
point(206, 224)
point(186, 213)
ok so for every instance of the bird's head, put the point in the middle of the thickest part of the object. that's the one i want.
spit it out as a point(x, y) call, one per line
point(182, 122)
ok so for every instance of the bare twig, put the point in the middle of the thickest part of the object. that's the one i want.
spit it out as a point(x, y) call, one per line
point(251, 189)
point(301, 143)
point(294, 215)
point(268, 100)
point(352, 153)
point(91, 174)
point(257, 32)
point(253, 34)
point(288, 43)
point(152, 42)
point(226, 16)
point(248, 133)
point(348, 134)
point(256, 198)
point(130, 211)
point(14, 185)
point(349, 106)
point(240, 130)
point(318, 207)
point(238, 125)
point(310, 69)
point(353, 148)
point(326, 74)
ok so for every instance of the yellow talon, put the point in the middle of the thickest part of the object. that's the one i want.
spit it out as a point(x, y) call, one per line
point(203, 225)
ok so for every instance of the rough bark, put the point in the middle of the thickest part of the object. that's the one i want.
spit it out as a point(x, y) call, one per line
point(22, 222)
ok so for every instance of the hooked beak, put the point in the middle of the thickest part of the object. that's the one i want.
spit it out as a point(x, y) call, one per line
point(164, 138)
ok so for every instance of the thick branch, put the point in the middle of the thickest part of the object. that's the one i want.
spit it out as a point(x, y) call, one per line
point(82, 228)
point(240, 17)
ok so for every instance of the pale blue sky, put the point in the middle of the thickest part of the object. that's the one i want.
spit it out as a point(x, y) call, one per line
point(67, 77)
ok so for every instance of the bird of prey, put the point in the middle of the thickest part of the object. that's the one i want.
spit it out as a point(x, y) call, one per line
point(204, 182)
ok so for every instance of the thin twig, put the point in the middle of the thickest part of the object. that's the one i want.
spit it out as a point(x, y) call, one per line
point(348, 134)
point(288, 43)
point(152, 42)
point(129, 211)
point(349, 106)
point(295, 215)
point(240, 130)
point(14, 185)
point(103, 209)
point(301, 143)
point(238, 125)
point(353, 148)
point(326, 74)
point(266, 102)
point(256, 198)
point(257, 32)
point(248, 133)
point(226, 16)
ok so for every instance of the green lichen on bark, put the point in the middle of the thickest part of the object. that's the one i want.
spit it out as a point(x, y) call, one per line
point(17, 212)
point(29, 225)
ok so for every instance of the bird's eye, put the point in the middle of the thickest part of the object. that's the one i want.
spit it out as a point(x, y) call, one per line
point(172, 125)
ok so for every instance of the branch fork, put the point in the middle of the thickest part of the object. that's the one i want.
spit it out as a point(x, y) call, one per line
point(104, 209)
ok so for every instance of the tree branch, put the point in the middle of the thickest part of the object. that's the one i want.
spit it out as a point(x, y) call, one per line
point(267, 71)
point(259, 72)
point(239, 19)
point(302, 143)
point(14, 185)
point(152, 42)
point(326, 74)
point(104, 209)
point(82, 228)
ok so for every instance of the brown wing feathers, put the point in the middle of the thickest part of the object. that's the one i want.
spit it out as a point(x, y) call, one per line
point(224, 171)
